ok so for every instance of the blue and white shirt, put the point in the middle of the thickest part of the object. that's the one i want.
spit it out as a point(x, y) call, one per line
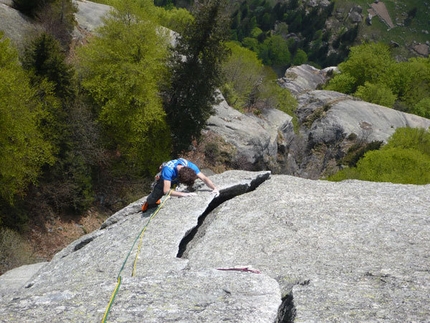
point(169, 171)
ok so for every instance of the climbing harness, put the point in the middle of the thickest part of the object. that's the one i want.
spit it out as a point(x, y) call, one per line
point(139, 237)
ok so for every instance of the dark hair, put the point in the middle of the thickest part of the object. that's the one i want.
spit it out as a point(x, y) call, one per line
point(187, 176)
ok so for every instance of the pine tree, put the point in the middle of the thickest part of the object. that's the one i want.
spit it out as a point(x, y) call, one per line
point(196, 72)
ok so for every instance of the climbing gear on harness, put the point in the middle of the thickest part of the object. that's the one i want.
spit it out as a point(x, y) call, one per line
point(140, 236)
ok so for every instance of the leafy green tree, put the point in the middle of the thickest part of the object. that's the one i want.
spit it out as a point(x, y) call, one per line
point(243, 72)
point(23, 148)
point(67, 184)
point(343, 82)
point(300, 57)
point(422, 108)
point(122, 69)
point(413, 83)
point(396, 165)
point(196, 73)
point(367, 62)
point(376, 93)
point(175, 19)
point(251, 43)
point(410, 138)
point(404, 159)
point(274, 51)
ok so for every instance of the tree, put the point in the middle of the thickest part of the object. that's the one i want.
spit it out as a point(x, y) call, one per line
point(121, 70)
point(300, 57)
point(196, 73)
point(44, 58)
point(396, 165)
point(410, 138)
point(243, 73)
point(404, 159)
point(175, 19)
point(376, 93)
point(274, 51)
point(367, 62)
point(23, 148)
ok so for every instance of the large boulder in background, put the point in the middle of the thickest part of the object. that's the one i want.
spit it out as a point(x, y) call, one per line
point(20, 29)
point(331, 122)
point(255, 139)
point(16, 26)
point(270, 248)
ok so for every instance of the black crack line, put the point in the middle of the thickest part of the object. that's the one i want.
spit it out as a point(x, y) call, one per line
point(225, 195)
point(287, 309)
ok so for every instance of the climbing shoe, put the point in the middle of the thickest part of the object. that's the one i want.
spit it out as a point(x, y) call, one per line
point(158, 202)
point(145, 206)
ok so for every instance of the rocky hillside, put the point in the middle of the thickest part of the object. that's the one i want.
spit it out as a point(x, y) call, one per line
point(270, 248)
point(328, 124)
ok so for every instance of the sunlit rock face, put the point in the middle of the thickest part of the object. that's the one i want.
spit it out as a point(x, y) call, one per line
point(270, 248)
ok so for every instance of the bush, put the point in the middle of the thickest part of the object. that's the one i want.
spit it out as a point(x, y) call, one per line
point(376, 93)
point(405, 159)
point(396, 165)
point(14, 251)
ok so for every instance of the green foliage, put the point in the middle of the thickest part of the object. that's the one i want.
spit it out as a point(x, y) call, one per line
point(300, 57)
point(357, 151)
point(274, 96)
point(270, 22)
point(413, 82)
point(122, 69)
point(243, 73)
point(45, 60)
point(274, 51)
point(405, 159)
point(396, 165)
point(376, 93)
point(371, 74)
point(413, 138)
point(368, 62)
point(422, 108)
point(67, 184)
point(343, 82)
point(23, 149)
point(175, 18)
point(195, 78)
point(250, 85)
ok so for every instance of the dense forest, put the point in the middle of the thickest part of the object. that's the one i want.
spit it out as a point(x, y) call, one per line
point(89, 125)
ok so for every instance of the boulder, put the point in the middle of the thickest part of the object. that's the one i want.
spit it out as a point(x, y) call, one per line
point(302, 78)
point(330, 122)
point(270, 248)
point(15, 26)
point(255, 139)
point(19, 28)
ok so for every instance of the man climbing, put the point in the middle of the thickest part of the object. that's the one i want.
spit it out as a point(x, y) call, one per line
point(174, 172)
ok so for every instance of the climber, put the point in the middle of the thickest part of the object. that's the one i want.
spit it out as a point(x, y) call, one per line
point(174, 172)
